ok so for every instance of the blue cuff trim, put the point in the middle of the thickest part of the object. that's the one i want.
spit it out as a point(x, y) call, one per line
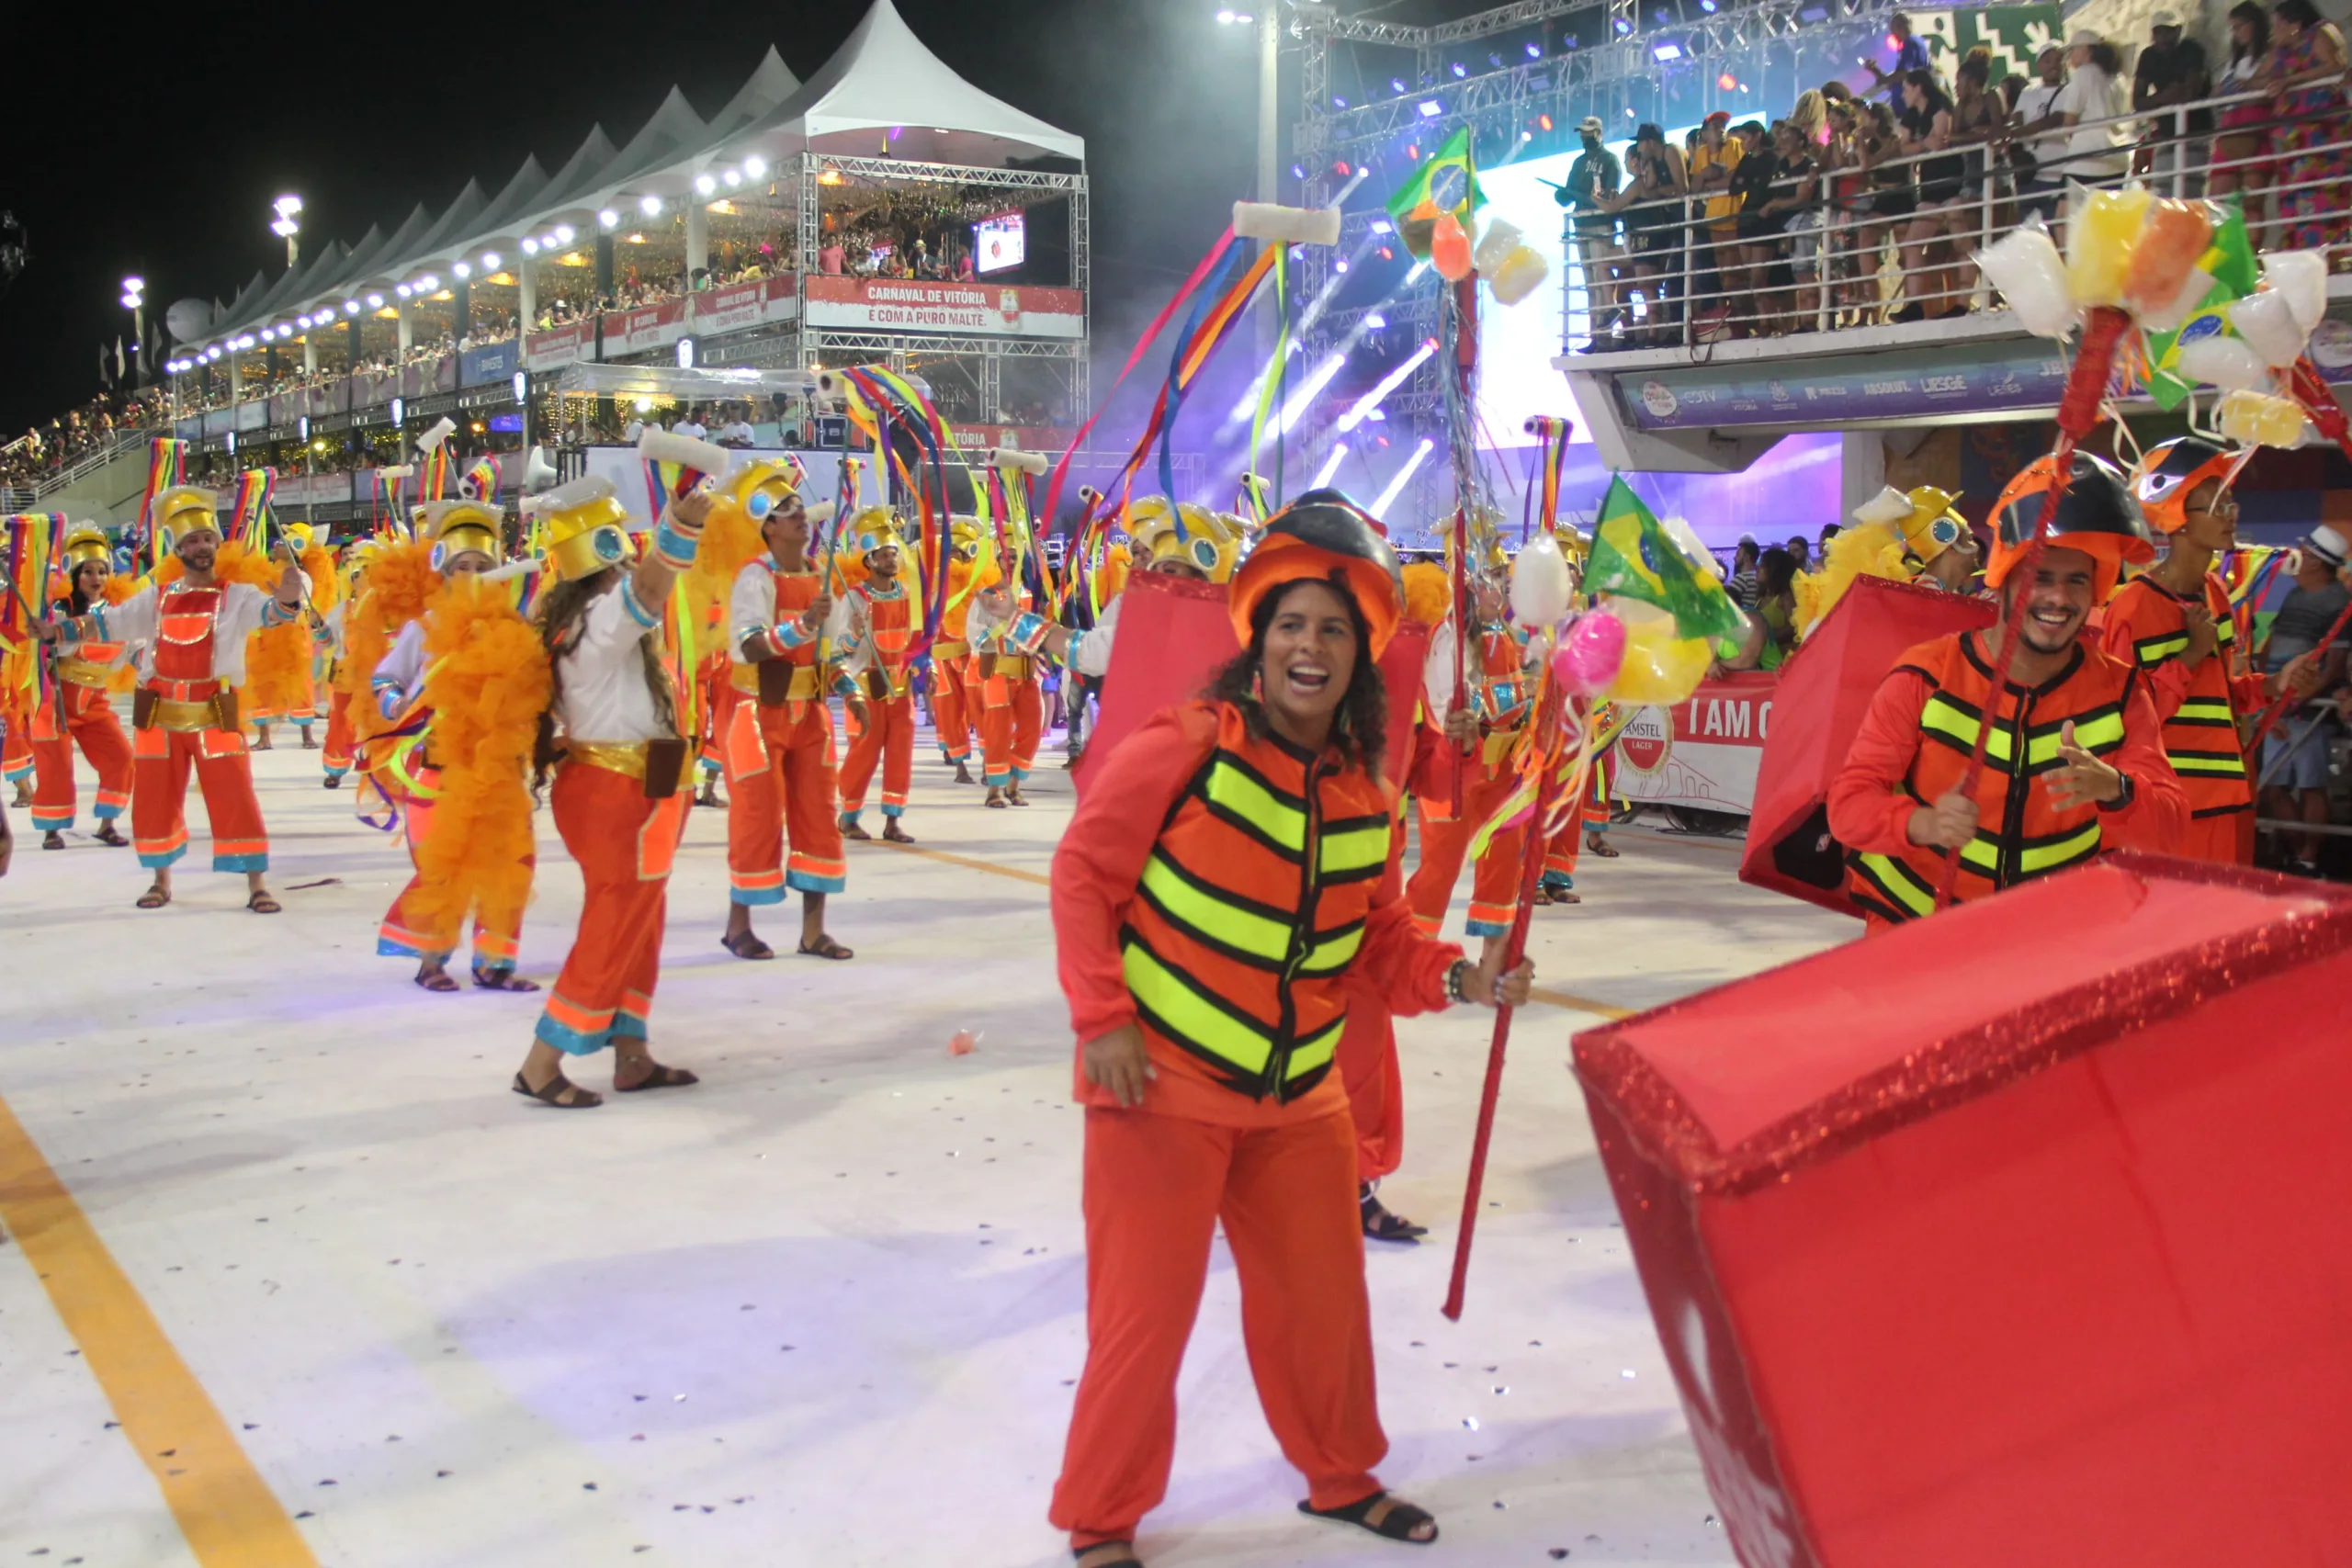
point(105, 811)
point(567, 1040)
point(335, 772)
point(807, 883)
point(387, 947)
point(1486, 928)
point(158, 863)
point(789, 636)
point(241, 863)
point(626, 1025)
point(1559, 879)
point(753, 898)
point(894, 811)
point(43, 823)
point(675, 548)
point(13, 774)
point(635, 607)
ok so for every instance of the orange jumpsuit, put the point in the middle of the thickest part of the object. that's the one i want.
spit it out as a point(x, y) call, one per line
point(954, 698)
point(1245, 1125)
point(888, 735)
point(198, 638)
point(623, 838)
point(1013, 715)
point(340, 749)
point(1591, 816)
point(718, 694)
point(1913, 746)
point(780, 756)
point(1500, 691)
point(79, 713)
point(2200, 710)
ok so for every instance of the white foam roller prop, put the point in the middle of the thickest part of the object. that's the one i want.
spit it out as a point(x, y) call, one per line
point(431, 440)
point(2225, 362)
point(537, 470)
point(2267, 323)
point(400, 471)
point(2185, 304)
point(2031, 277)
point(686, 451)
point(1889, 505)
point(2301, 276)
point(1291, 225)
point(821, 513)
point(1540, 589)
point(527, 566)
point(1522, 273)
point(1496, 244)
point(1011, 460)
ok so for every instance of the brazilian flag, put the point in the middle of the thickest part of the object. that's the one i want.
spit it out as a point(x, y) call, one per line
point(2229, 260)
point(1633, 558)
point(1446, 182)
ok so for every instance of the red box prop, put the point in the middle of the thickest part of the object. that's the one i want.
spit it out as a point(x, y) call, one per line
point(2013, 1238)
point(1824, 692)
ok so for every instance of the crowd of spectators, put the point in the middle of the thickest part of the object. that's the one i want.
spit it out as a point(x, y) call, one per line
point(1863, 207)
point(47, 450)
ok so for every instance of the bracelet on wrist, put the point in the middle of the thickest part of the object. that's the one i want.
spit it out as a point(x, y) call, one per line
point(1454, 978)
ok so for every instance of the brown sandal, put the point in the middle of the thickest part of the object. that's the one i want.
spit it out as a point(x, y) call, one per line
point(262, 903)
point(500, 977)
point(660, 1078)
point(825, 947)
point(553, 1092)
point(153, 899)
point(434, 980)
point(852, 829)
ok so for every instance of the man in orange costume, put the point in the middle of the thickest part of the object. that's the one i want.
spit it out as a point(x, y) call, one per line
point(342, 748)
point(955, 696)
point(1013, 711)
point(185, 714)
point(1493, 726)
point(1206, 1032)
point(2076, 762)
point(883, 616)
point(780, 738)
point(2174, 625)
point(80, 712)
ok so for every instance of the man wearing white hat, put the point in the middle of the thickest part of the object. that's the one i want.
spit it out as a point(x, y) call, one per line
point(1592, 179)
point(2294, 760)
point(2172, 71)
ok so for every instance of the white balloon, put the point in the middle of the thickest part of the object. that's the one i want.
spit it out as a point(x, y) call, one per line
point(2026, 269)
point(2267, 323)
point(2225, 362)
point(1495, 245)
point(2301, 276)
point(2193, 289)
point(1540, 585)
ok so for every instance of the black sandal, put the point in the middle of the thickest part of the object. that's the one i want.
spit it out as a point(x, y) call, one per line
point(52, 839)
point(108, 835)
point(660, 1078)
point(153, 899)
point(1382, 1224)
point(434, 980)
point(1595, 844)
point(1397, 1521)
point(852, 829)
point(747, 945)
point(261, 903)
point(555, 1088)
point(894, 834)
point(502, 977)
point(826, 947)
point(1081, 1555)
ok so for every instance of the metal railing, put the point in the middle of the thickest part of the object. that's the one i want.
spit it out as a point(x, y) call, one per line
point(1892, 239)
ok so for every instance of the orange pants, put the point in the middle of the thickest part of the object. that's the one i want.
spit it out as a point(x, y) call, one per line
point(718, 696)
point(161, 760)
point(780, 765)
point(1156, 1188)
point(1375, 1087)
point(887, 737)
point(2226, 839)
point(624, 844)
point(90, 723)
point(1494, 891)
point(340, 746)
point(1010, 725)
point(955, 705)
point(399, 936)
point(17, 747)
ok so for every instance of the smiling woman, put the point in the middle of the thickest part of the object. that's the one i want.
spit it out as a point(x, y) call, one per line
point(1235, 859)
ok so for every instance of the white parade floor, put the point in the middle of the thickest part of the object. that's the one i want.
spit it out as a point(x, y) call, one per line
point(825, 1308)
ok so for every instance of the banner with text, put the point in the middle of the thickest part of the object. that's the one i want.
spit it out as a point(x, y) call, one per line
point(760, 302)
point(1703, 754)
point(896, 305)
point(560, 346)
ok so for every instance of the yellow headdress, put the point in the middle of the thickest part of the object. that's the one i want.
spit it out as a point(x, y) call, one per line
point(873, 528)
point(458, 525)
point(757, 485)
point(183, 509)
point(583, 527)
point(87, 543)
point(300, 533)
point(1932, 527)
point(1209, 541)
point(965, 533)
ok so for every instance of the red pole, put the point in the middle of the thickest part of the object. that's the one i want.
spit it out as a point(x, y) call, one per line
point(1462, 622)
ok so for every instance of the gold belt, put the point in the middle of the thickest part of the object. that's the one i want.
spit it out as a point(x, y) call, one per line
point(746, 679)
point(82, 673)
point(950, 649)
point(1011, 666)
point(188, 717)
point(613, 756)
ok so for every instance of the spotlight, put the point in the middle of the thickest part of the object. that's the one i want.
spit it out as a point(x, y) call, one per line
point(1727, 81)
point(1342, 168)
point(1340, 265)
point(1708, 7)
point(1460, 70)
point(1397, 85)
point(608, 219)
point(1570, 43)
point(351, 307)
point(650, 204)
point(731, 178)
point(530, 246)
point(1494, 60)
point(1623, 27)
point(490, 261)
point(303, 322)
point(1542, 122)
point(1338, 102)
point(1665, 17)
point(463, 269)
point(1374, 321)
point(705, 184)
point(427, 284)
point(755, 167)
point(563, 233)
point(375, 301)
point(1534, 51)
point(403, 291)
point(1298, 171)
point(1430, 108)
point(1666, 51)
point(1381, 226)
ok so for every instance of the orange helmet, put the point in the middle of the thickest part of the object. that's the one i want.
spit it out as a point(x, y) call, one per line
point(1319, 534)
point(2169, 472)
point(2096, 516)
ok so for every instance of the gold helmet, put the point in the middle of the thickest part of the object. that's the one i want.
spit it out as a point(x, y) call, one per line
point(297, 535)
point(757, 486)
point(1208, 541)
point(456, 526)
point(87, 543)
point(183, 510)
point(966, 534)
point(1932, 527)
point(873, 528)
point(585, 533)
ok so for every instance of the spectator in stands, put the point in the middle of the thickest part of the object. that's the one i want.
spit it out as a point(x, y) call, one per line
point(2295, 757)
point(1718, 244)
point(2093, 107)
point(1742, 584)
point(739, 432)
point(2171, 70)
point(2315, 185)
point(1928, 129)
point(1593, 180)
point(2035, 146)
point(2241, 161)
point(1910, 54)
point(690, 425)
point(1651, 206)
point(1771, 633)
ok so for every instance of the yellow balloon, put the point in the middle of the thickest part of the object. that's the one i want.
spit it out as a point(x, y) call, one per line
point(1660, 667)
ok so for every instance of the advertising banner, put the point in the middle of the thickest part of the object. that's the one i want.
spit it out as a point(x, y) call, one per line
point(976, 438)
point(648, 326)
point(2021, 375)
point(490, 362)
point(899, 305)
point(1701, 753)
point(743, 305)
point(560, 346)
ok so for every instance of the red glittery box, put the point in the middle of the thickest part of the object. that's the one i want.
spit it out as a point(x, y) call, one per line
point(2016, 1237)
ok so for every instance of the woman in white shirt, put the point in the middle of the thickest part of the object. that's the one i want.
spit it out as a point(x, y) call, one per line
point(2093, 103)
point(612, 735)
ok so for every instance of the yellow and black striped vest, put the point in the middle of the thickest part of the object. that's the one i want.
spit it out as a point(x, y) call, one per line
point(2201, 739)
point(2019, 834)
point(1250, 909)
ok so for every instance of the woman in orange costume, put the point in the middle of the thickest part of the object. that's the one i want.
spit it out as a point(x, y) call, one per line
point(619, 795)
point(955, 696)
point(1208, 1026)
point(80, 712)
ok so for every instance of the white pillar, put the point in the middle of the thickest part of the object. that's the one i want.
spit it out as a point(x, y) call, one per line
point(1861, 469)
point(526, 295)
point(698, 237)
point(407, 325)
point(310, 351)
point(236, 382)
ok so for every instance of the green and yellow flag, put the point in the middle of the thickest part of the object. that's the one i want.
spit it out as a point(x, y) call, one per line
point(1446, 182)
point(1633, 558)
point(2229, 260)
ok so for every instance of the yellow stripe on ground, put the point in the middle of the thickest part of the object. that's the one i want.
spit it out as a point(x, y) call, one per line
point(1550, 999)
point(225, 1509)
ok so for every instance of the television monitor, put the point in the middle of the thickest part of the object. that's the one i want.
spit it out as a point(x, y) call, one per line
point(998, 244)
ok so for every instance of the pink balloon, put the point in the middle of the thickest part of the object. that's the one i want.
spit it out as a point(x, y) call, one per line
point(1590, 654)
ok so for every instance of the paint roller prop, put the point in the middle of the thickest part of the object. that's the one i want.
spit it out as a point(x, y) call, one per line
point(433, 444)
point(1286, 225)
point(1008, 461)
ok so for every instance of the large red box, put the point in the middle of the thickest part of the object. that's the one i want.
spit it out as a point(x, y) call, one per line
point(1817, 711)
point(2016, 1237)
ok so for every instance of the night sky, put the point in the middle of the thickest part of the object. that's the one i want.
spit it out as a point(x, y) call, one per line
point(163, 161)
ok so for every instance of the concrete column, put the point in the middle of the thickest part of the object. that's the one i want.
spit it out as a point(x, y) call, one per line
point(236, 381)
point(526, 292)
point(407, 325)
point(310, 351)
point(698, 237)
point(1861, 469)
